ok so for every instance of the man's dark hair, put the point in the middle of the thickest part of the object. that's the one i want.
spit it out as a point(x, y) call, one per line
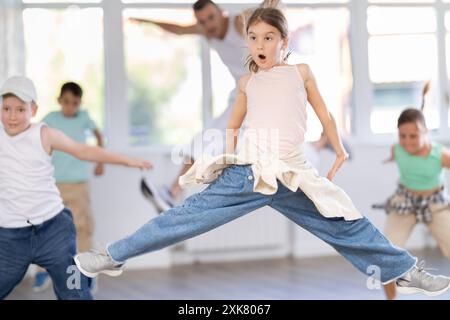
point(200, 4)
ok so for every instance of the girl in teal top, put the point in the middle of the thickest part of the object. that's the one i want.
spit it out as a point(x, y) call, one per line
point(420, 173)
point(420, 196)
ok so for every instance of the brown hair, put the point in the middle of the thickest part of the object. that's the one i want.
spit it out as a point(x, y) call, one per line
point(415, 115)
point(273, 17)
point(8, 95)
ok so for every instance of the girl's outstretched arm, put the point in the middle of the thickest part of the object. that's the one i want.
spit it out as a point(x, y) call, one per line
point(53, 139)
point(325, 117)
point(99, 169)
point(237, 115)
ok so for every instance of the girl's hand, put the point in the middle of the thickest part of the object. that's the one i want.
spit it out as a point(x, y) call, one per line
point(99, 169)
point(391, 157)
point(141, 164)
point(340, 159)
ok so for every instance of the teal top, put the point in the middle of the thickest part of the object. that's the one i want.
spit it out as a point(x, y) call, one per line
point(420, 173)
point(67, 168)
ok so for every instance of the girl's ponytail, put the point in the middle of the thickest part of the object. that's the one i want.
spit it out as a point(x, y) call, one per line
point(425, 89)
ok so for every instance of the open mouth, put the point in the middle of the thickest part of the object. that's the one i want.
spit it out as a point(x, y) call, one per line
point(261, 57)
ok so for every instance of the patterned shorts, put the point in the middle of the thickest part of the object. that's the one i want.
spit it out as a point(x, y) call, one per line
point(419, 205)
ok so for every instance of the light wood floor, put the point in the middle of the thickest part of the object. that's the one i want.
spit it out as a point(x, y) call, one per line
point(307, 278)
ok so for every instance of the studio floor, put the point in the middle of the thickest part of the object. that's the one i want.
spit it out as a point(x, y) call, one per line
point(286, 279)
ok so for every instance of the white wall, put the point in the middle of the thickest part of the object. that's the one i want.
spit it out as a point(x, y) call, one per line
point(120, 209)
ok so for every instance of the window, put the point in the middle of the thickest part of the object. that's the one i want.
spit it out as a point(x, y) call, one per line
point(401, 41)
point(402, 58)
point(237, 1)
point(164, 79)
point(319, 37)
point(400, 1)
point(66, 45)
point(222, 84)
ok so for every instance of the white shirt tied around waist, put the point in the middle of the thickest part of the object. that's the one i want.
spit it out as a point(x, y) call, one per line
point(293, 170)
point(28, 191)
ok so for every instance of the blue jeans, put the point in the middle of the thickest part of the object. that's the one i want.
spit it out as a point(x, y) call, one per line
point(231, 196)
point(51, 245)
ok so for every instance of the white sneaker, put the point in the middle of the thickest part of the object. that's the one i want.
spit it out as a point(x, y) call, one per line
point(94, 262)
point(419, 281)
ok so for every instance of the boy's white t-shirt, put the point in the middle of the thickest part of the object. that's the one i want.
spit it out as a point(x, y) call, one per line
point(28, 193)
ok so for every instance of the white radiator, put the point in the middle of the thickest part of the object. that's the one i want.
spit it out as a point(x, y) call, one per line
point(263, 228)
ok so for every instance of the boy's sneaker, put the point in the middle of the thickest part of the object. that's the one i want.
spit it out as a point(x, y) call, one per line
point(94, 262)
point(93, 285)
point(158, 197)
point(167, 196)
point(417, 280)
point(42, 281)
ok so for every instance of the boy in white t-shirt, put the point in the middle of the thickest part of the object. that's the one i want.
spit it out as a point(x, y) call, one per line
point(35, 228)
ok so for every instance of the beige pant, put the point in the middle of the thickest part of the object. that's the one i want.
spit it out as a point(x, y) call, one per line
point(398, 227)
point(76, 197)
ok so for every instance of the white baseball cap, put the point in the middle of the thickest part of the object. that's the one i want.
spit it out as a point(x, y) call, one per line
point(21, 87)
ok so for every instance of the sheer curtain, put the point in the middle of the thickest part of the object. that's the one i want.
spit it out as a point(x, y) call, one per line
point(12, 48)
